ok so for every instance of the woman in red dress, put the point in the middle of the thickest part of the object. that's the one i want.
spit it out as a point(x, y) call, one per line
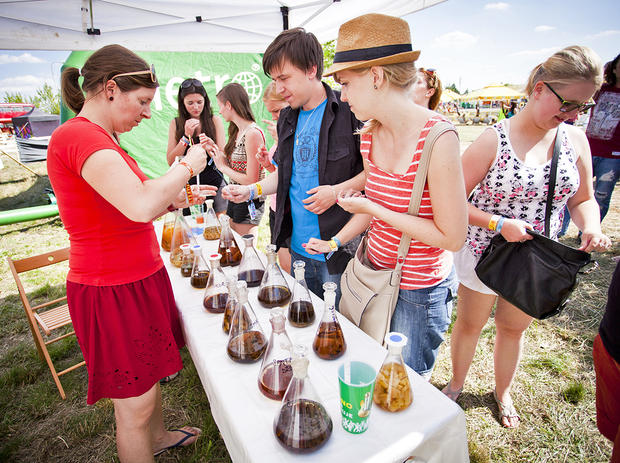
point(119, 294)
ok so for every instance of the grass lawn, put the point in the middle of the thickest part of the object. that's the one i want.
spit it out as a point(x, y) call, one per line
point(553, 391)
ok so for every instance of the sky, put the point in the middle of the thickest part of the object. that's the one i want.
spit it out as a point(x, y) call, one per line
point(471, 43)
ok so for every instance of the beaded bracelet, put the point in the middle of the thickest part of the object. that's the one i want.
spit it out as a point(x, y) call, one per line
point(188, 167)
point(188, 192)
point(184, 140)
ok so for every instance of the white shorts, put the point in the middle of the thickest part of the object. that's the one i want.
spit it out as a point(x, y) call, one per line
point(465, 263)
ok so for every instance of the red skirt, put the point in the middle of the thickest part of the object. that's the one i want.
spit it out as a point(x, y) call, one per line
point(130, 334)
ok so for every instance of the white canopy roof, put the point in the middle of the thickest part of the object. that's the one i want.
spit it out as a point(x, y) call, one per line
point(178, 25)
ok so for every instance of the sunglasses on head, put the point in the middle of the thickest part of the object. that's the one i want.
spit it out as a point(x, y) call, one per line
point(430, 72)
point(568, 106)
point(191, 83)
point(150, 71)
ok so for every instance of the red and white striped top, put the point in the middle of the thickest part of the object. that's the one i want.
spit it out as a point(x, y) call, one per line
point(425, 265)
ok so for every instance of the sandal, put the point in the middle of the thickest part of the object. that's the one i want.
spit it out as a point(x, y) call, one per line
point(507, 411)
point(452, 394)
point(169, 378)
point(188, 435)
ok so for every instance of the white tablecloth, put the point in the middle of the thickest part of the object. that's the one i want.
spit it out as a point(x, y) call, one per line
point(431, 430)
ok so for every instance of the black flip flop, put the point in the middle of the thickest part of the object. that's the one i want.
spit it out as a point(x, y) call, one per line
point(188, 435)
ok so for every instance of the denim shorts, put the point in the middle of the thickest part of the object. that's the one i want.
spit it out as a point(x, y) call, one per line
point(424, 315)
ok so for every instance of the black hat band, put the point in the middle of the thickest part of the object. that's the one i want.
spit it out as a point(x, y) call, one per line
point(367, 54)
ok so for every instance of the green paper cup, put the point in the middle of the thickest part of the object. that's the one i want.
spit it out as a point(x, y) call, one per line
point(357, 381)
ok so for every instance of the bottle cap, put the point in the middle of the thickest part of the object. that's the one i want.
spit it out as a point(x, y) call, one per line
point(184, 247)
point(396, 339)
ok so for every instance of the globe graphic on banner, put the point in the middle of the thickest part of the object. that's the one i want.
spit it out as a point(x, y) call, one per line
point(251, 83)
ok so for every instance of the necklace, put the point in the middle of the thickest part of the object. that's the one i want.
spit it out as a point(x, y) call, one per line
point(297, 135)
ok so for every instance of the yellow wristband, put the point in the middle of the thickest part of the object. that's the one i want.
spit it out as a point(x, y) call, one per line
point(259, 190)
point(493, 222)
point(333, 245)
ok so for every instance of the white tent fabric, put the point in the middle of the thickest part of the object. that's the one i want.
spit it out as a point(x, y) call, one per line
point(178, 25)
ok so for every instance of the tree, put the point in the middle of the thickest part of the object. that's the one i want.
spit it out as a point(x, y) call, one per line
point(453, 88)
point(329, 50)
point(13, 98)
point(47, 99)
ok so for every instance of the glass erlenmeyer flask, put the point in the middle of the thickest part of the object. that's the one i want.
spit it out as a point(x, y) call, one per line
point(211, 223)
point(246, 341)
point(251, 268)
point(329, 341)
point(392, 386)
point(231, 304)
point(187, 260)
point(301, 310)
point(200, 269)
point(228, 248)
point(216, 293)
point(166, 233)
point(273, 289)
point(302, 425)
point(276, 371)
point(181, 234)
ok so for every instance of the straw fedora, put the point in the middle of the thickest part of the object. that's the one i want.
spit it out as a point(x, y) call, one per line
point(372, 40)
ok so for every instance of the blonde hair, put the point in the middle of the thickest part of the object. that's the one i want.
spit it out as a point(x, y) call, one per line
point(566, 66)
point(432, 82)
point(400, 75)
point(271, 94)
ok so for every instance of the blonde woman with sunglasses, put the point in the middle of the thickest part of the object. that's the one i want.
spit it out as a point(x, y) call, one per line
point(508, 168)
point(118, 291)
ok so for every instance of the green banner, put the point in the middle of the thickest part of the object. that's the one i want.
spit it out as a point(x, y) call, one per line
point(147, 143)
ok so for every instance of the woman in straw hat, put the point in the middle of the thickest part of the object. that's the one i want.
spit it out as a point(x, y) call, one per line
point(507, 169)
point(374, 63)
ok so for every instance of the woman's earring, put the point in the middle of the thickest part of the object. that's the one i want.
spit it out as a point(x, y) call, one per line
point(111, 98)
point(375, 86)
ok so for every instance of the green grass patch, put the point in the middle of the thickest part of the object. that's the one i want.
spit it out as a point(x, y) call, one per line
point(574, 393)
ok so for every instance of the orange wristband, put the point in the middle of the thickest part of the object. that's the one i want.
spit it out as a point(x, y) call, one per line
point(188, 167)
point(493, 222)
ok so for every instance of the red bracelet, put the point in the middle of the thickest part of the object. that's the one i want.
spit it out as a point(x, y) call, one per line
point(188, 167)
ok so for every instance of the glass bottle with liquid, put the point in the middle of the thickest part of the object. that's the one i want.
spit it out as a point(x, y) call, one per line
point(302, 424)
point(212, 227)
point(200, 268)
point(329, 340)
point(276, 371)
point(251, 268)
point(187, 261)
point(228, 247)
point(181, 234)
point(166, 233)
point(246, 340)
point(301, 310)
point(231, 304)
point(216, 293)
point(273, 291)
point(392, 386)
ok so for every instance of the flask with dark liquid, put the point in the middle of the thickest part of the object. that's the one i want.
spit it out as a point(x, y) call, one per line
point(273, 291)
point(187, 261)
point(231, 304)
point(251, 268)
point(166, 233)
point(181, 234)
point(301, 310)
point(302, 425)
point(228, 247)
point(212, 227)
point(329, 341)
point(392, 386)
point(200, 269)
point(276, 371)
point(246, 341)
point(216, 293)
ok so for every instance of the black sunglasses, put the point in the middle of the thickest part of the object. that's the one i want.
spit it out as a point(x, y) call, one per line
point(187, 83)
point(150, 71)
point(568, 106)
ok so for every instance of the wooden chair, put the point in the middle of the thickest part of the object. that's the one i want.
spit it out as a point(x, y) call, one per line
point(53, 317)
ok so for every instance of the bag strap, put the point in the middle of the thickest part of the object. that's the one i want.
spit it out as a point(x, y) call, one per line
point(552, 176)
point(418, 184)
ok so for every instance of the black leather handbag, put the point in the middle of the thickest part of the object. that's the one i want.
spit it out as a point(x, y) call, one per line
point(538, 275)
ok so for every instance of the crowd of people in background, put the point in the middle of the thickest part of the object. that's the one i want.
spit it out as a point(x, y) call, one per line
point(342, 163)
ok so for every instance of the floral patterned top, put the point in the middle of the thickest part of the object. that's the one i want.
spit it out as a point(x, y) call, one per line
point(518, 191)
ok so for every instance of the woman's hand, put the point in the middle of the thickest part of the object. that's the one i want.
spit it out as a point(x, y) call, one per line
point(316, 246)
point(355, 202)
point(594, 241)
point(272, 129)
point(262, 155)
point(196, 158)
point(514, 230)
point(190, 127)
point(236, 193)
point(214, 151)
point(199, 194)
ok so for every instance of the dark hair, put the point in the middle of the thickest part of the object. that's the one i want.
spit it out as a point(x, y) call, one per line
point(610, 76)
point(206, 116)
point(238, 98)
point(100, 67)
point(299, 47)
